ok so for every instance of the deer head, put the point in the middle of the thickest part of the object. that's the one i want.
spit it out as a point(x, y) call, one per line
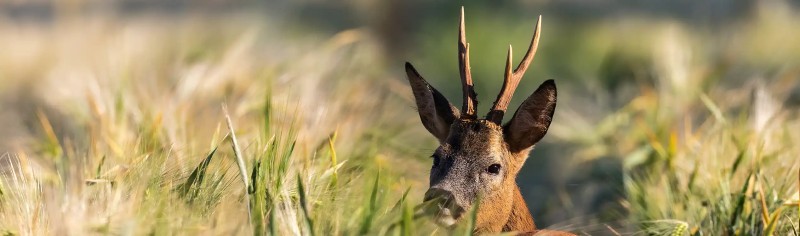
point(480, 158)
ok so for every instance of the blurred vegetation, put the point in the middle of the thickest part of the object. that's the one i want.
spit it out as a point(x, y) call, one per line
point(674, 118)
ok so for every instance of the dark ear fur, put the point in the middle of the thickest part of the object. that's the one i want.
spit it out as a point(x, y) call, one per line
point(532, 119)
point(434, 110)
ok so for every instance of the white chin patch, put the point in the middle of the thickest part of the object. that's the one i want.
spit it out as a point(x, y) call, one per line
point(445, 218)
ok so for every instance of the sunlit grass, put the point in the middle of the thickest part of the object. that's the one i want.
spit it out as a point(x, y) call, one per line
point(118, 127)
point(132, 138)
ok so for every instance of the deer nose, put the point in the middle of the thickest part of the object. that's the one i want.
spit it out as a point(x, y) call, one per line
point(437, 193)
point(444, 200)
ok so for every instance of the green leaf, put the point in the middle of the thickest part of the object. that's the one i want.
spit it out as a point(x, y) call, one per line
point(739, 204)
point(366, 224)
point(773, 222)
point(304, 204)
point(196, 178)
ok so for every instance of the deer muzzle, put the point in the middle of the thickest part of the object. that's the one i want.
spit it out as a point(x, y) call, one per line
point(444, 207)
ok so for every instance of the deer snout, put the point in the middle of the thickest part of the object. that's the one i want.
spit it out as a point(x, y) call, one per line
point(444, 203)
point(438, 193)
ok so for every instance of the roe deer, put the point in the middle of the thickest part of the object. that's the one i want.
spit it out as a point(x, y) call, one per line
point(480, 157)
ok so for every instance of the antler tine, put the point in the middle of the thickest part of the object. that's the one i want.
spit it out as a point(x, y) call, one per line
point(508, 78)
point(470, 97)
point(512, 79)
point(526, 61)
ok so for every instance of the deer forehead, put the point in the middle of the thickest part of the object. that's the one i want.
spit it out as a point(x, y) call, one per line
point(476, 139)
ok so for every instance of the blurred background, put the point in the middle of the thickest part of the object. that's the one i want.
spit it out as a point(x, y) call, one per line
point(654, 96)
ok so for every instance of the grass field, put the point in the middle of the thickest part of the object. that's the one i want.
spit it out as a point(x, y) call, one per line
point(233, 125)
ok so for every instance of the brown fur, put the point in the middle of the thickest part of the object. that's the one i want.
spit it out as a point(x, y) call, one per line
point(520, 219)
point(478, 159)
point(468, 146)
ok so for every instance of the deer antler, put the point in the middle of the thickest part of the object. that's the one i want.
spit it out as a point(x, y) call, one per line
point(512, 79)
point(470, 97)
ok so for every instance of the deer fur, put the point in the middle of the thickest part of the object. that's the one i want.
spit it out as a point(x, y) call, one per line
point(479, 159)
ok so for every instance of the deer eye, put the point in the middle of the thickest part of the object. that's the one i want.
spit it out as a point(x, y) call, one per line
point(494, 169)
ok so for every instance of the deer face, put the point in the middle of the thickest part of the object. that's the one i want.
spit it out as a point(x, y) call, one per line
point(480, 158)
point(473, 162)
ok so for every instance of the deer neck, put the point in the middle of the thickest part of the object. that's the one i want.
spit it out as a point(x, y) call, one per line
point(520, 219)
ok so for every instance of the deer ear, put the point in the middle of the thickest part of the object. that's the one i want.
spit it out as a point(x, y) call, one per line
point(434, 110)
point(530, 122)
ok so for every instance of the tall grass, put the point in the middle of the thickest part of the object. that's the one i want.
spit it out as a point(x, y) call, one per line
point(700, 157)
point(131, 139)
point(116, 127)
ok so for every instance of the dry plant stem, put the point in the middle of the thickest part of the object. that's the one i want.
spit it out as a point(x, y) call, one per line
point(240, 161)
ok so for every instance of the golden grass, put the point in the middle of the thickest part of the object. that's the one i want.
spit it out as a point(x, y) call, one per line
point(116, 127)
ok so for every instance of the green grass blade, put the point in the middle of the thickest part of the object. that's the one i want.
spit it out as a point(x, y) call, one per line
point(402, 199)
point(773, 221)
point(740, 201)
point(257, 201)
point(473, 217)
point(254, 177)
point(285, 158)
point(407, 222)
point(334, 162)
point(366, 224)
point(196, 177)
point(273, 228)
point(738, 161)
point(267, 111)
point(304, 204)
point(100, 167)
